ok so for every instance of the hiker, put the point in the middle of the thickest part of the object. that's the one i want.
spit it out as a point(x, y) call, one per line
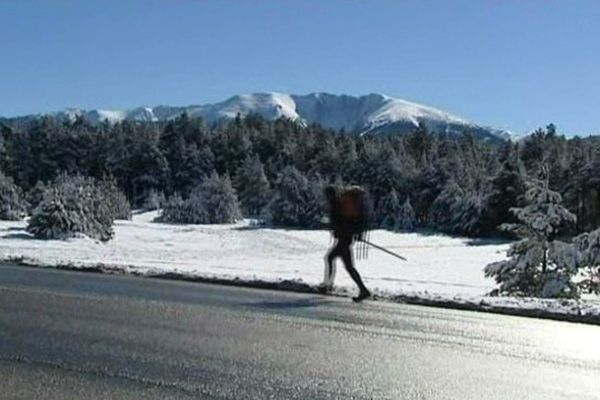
point(347, 221)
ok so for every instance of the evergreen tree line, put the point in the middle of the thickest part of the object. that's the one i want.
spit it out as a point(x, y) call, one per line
point(276, 170)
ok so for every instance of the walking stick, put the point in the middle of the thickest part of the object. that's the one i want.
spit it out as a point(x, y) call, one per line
point(383, 249)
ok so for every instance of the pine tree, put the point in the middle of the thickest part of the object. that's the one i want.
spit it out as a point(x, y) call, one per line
point(326, 159)
point(468, 215)
point(231, 146)
point(388, 211)
point(425, 186)
point(220, 200)
point(153, 200)
point(533, 152)
point(118, 155)
point(442, 212)
point(539, 264)
point(591, 185)
point(189, 211)
point(197, 164)
point(347, 168)
point(115, 198)
point(420, 144)
point(212, 202)
point(43, 147)
point(35, 195)
point(253, 187)
point(576, 185)
point(297, 201)
point(174, 211)
point(73, 205)
point(149, 170)
point(393, 215)
point(379, 169)
point(407, 217)
point(185, 145)
point(13, 206)
point(588, 245)
point(507, 191)
point(459, 212)
point(5, 134)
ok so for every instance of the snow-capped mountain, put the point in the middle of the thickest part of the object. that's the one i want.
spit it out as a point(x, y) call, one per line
point(373, 113)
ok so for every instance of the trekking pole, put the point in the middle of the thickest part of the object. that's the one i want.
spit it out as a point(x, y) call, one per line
point(383, 249)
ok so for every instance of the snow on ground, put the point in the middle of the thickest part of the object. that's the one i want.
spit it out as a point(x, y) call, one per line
point(439, 267)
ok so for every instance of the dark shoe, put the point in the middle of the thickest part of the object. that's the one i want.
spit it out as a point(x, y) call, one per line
point(361, 296)
point(324, 289)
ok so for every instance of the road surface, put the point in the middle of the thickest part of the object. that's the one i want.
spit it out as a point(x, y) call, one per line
point(67, 335)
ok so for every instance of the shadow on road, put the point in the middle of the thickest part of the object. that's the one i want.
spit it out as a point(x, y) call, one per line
point(17, 236)
point(289, 304)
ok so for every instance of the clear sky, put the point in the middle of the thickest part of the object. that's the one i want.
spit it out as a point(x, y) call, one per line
point(513, 64)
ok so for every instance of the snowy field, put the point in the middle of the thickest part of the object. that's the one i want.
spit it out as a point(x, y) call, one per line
point(439, 268)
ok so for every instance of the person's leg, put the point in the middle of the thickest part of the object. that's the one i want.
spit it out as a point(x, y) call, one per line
point(330, 269)
point(346, 254)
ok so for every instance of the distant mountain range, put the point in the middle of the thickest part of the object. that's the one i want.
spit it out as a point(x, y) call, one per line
point(369, 114)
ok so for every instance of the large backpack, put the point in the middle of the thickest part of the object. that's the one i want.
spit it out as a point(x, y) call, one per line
point(355, 214)
point(351, 201)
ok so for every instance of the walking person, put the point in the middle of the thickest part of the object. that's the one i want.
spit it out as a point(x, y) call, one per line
point(347, 221)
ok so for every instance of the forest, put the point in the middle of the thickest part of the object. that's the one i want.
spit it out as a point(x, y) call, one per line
point(276, 170)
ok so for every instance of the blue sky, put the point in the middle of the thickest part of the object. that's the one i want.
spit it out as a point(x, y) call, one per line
point(513, 64)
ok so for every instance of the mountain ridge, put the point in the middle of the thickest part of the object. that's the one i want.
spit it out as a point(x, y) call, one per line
point(373, 113)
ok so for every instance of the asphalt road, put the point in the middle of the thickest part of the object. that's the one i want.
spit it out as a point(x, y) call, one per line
point(68, 335)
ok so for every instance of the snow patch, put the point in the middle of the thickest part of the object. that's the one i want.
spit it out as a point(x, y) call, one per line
point(398, 110)
point(269, 105)
point(111, 116)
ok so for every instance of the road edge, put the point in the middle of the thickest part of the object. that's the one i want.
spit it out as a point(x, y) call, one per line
point(300, 287)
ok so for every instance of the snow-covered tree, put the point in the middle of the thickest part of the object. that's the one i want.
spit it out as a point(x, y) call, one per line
point(420, 143)
point(213, 202)
point(253, 187)
point(153, 200)
point(459, 211)
point(116, 200)
point(588, 245)
point(539, 264)
point(184, 142)
point(393, 215)
point(13, 206)
point(35, 195)
point(388, 211)
point(380, 170)
point(407, 217)
point(171, 210)
point(468, 214)
point(507, 188)
point(73, 205)
point(189, 211)
point(440, 213)
point(220, 200)
point(297, 201)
